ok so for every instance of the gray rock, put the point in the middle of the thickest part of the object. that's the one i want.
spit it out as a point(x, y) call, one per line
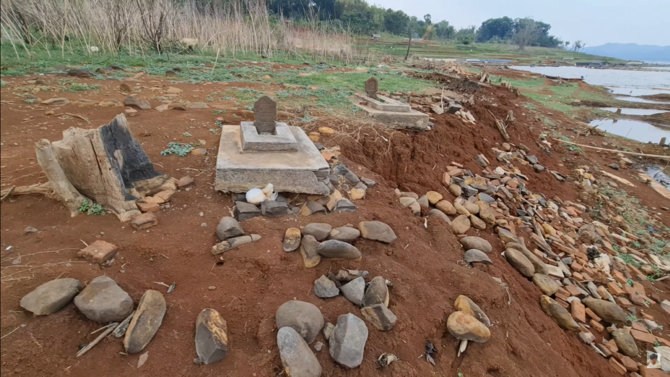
point(377, 292)
point(328, 330)
point(532, 159)
point(146, 321)
point(246, 211)
point(361, 185)
point(104, 301)
point(486, 198)
point(292, 239)
point(296, 356)
point(368, 182)
point(320, 231)
point(354, 291)
point(335, 249)
point(437, 213)
point(547, 285)
point(51, 296)
point(333, 180)
point(476, 256)
point(325, 288)
point(137, 102)
point(469, 191)
point(423, 201)
point(377, 231)
point(211, 337)
point(606, 310)
point(625, 342)
point(540, 267)
point(308, 251)
point(344, 205)
point(303, 317)
point(318, 346)
point(380, 317)
point(538, 168)
point(228, 227)
point(455, 190)
point(567, 261)
point(312, 208)
point(273, 208)
point(520, 262)
point(347, 342)
point(472, 242)
point(352, 178)
point(344, 234)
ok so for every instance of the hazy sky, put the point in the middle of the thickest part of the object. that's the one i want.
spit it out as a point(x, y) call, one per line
point(593, 21)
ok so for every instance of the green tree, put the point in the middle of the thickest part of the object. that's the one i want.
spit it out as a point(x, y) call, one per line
point(466, 36)
point(396, 22)
point(444, 31)
point(502, 28)
point(429, 34)
point(427, 19)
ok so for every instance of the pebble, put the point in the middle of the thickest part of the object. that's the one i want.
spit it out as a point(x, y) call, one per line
point(344, 205)
point(308, 251)
point(347, 341)
point(440, 214)
point(357, 193)
point(51, 296)
point(455, 190)
point(461, 224)
point(211, 337)
point(328, 330)
point(471, 207)
point(377, 292)
point(137, 102)
point(472, 242)
point(446, 207)
point(547, 285)
point(377, 231)
point(406, 201)
point(325, 288)
point(296, 356)
point(312, 208)
point(228, 227)
point(320, 231)
point(434, 197)
point(318, 346)
point(463, 326)
point(466, 305)
point(368, 182)
point(146, 321)
point(380, 316)
point(292, 239)
point(476, 256)
point(103, 301)
point(345, 234)
point(625, 342)
point(423, 201)
point(559, 314)
point(520, 262)
point(477, 223)
point(303, 317)
point(335, 249)
point(233, 243)
point(273, 208)
point(354, 291)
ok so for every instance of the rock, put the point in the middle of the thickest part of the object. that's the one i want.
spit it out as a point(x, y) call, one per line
point(416, 208)
point(354, 291)
point(608, 311)
point(476, 256)
point(455, 190)
point(377, 231)
point(124, 87)
point(98, 252)
point(130, 112)
point(547, 285)
point(308, 251)
point(461, 224)
point(477, 223)
point(185, 182)
point(211, 337)
point(377, 292)
point(520, 262)
point(347, 341)
point(109, 103)
point(328, 330)
point(325, 288)
point(587, 337)
point(344, 234)
point(469, 191)
point(463, 326)
point(173, 90)
point(303, 317)
point(625, 342)
point(233, 243)
point(446, 207)
point(540, 267)
point(368, 182)
point(506, 147)
point(228, 227)
point(312, 208)
point(357, 193)
point(467, 306)
point(292, 239)
point(273, 208)
point(351, 177)
point(51, 296)
point(380, 317)
point(55, 101)
point(437, 213)
point(559, 314)
point(538, 168)
point(78, 72)
point(478, 243)
point(335, 249)
point(472, 208)
point(460, 209)
point(199, 152)
point(507, 236)
point(146, 321)
point(103, 301)
point(144, 221)
point(320, 231)
point(296, 356)
point(137, 102)
point(344, 205)
point(246, 211)
point(176, 106)
point(423, 201)
point(197, 105)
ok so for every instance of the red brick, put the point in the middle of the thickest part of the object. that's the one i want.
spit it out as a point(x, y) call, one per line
point(98, 252)
point(578, 311)
point(603, 348)
point(622, 301)
point(611, 345)
point(562, 303)
point(629, 364)
point(165, 195)
point(618, 276)
point(148, 207)
point(597, 326)
point(643, 336)
point(573, 290)
point(576, 266)
point(614, 289)
point(638, 326)
point(602, 291)
point(145, 221)
point(593, 315)
point(620, 369)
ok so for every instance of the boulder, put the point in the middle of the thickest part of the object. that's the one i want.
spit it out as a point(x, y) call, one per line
point(520, 262)
point(228, 227)
point(377, 231)
point(380, 317)
point(344, 234)
point(476, 256)
point(354, 291)
point(461, 224)
point(559, 314)
point(334, 249)
point(467, 306)
point(308, 251)
point(296, 356)
point(377, 292)
point(303, 317)
point(146, 321)
point(607, 310)
point(463, 326)
point(478, 243)
point(347, 341)
point(625, 342)
point(211, 337)
point(51, 296)
point(325, 288)
point(320, 231)
point(103, 301)
point(547, 285)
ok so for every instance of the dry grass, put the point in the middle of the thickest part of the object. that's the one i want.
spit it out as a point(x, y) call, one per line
point(230, 28)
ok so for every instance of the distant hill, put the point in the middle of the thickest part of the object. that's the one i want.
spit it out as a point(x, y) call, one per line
point(631, 51)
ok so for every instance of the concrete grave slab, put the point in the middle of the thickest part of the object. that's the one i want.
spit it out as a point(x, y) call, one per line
point(413, 120)
point(282, 140)
point(384, 103)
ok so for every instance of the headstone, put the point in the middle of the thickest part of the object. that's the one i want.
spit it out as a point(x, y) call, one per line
point(265, 113)
point(371, 86)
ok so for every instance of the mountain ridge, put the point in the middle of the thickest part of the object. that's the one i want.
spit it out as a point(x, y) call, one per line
point(631, 51)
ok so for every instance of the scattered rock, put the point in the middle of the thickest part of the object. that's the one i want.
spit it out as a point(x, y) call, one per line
point(587, 337)
point(478, 243)
point(463, 326)
point(344, 205)
point(377, 292)
point(437, 213)
point(103, 301)
point(79, 72)
point(461, 224)
point(476, 256)
point(320, 231)
point(507, 236)
point(354, 291)
point(467, 306)
point(308, 251)
point(137, 102)
point(228, 227)
point(368, 182)
point(233, 243)
point(303, 317)
point(377, 231)
point(146, 321)
point(185, 182)
point(51, 296)
point(55, 101)
point(335, 249)
point(312, 208)
point(173, 90)
point(325, 288)
point(197, 105)
point(98, 252)
point(246, 211)
point(357, 193)
point(110, 103)
point(211, 337)
point(547, 285)
point(274, 208)
point(145, 221)
point(625, 342)
point(559, 314)
point(520, 262)
point(477, 223)
point(446, 207)
point(608, 311)
point(125, 88)
point(292, 239)
point(345, 234)
point(455, 190)
point(347, 341)
point(296, 356)
point(380, 317)
point(423, 201)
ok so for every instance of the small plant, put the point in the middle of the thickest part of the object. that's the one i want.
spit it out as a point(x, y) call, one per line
point(84, 206)
point(178, 149)
point(307, 118)
point(187, 134)
point(91, 208)
point(630, 282)
point(3, 83)
point(657, 343)
point(219, 112)
point(632, 318)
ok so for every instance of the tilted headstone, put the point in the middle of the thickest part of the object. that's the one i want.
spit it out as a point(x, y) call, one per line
point(265, 112)
point(371, 87)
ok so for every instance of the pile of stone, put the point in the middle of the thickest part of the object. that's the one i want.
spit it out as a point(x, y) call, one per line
point(468, 323)
point(151, 205)
point(321, 240)
point(230, 234)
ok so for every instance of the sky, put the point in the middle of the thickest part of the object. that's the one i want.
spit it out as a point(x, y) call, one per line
point(594, 22)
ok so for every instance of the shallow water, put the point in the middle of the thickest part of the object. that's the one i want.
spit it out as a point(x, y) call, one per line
point(628, 111)
point(632, 129)
point(642, 100)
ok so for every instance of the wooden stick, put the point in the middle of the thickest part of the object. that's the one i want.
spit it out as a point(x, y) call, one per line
point(41, 189)
point(617, 151)
point(7, 193)
point(97, 340)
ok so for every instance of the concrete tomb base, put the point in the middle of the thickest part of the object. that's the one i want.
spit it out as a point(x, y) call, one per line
point(392, 113)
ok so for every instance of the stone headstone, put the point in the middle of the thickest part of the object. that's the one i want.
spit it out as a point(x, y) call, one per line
point(371, 86)
point(265, 112)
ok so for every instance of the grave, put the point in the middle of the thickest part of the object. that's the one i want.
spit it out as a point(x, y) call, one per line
point(264, 151)
point(389, 111)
